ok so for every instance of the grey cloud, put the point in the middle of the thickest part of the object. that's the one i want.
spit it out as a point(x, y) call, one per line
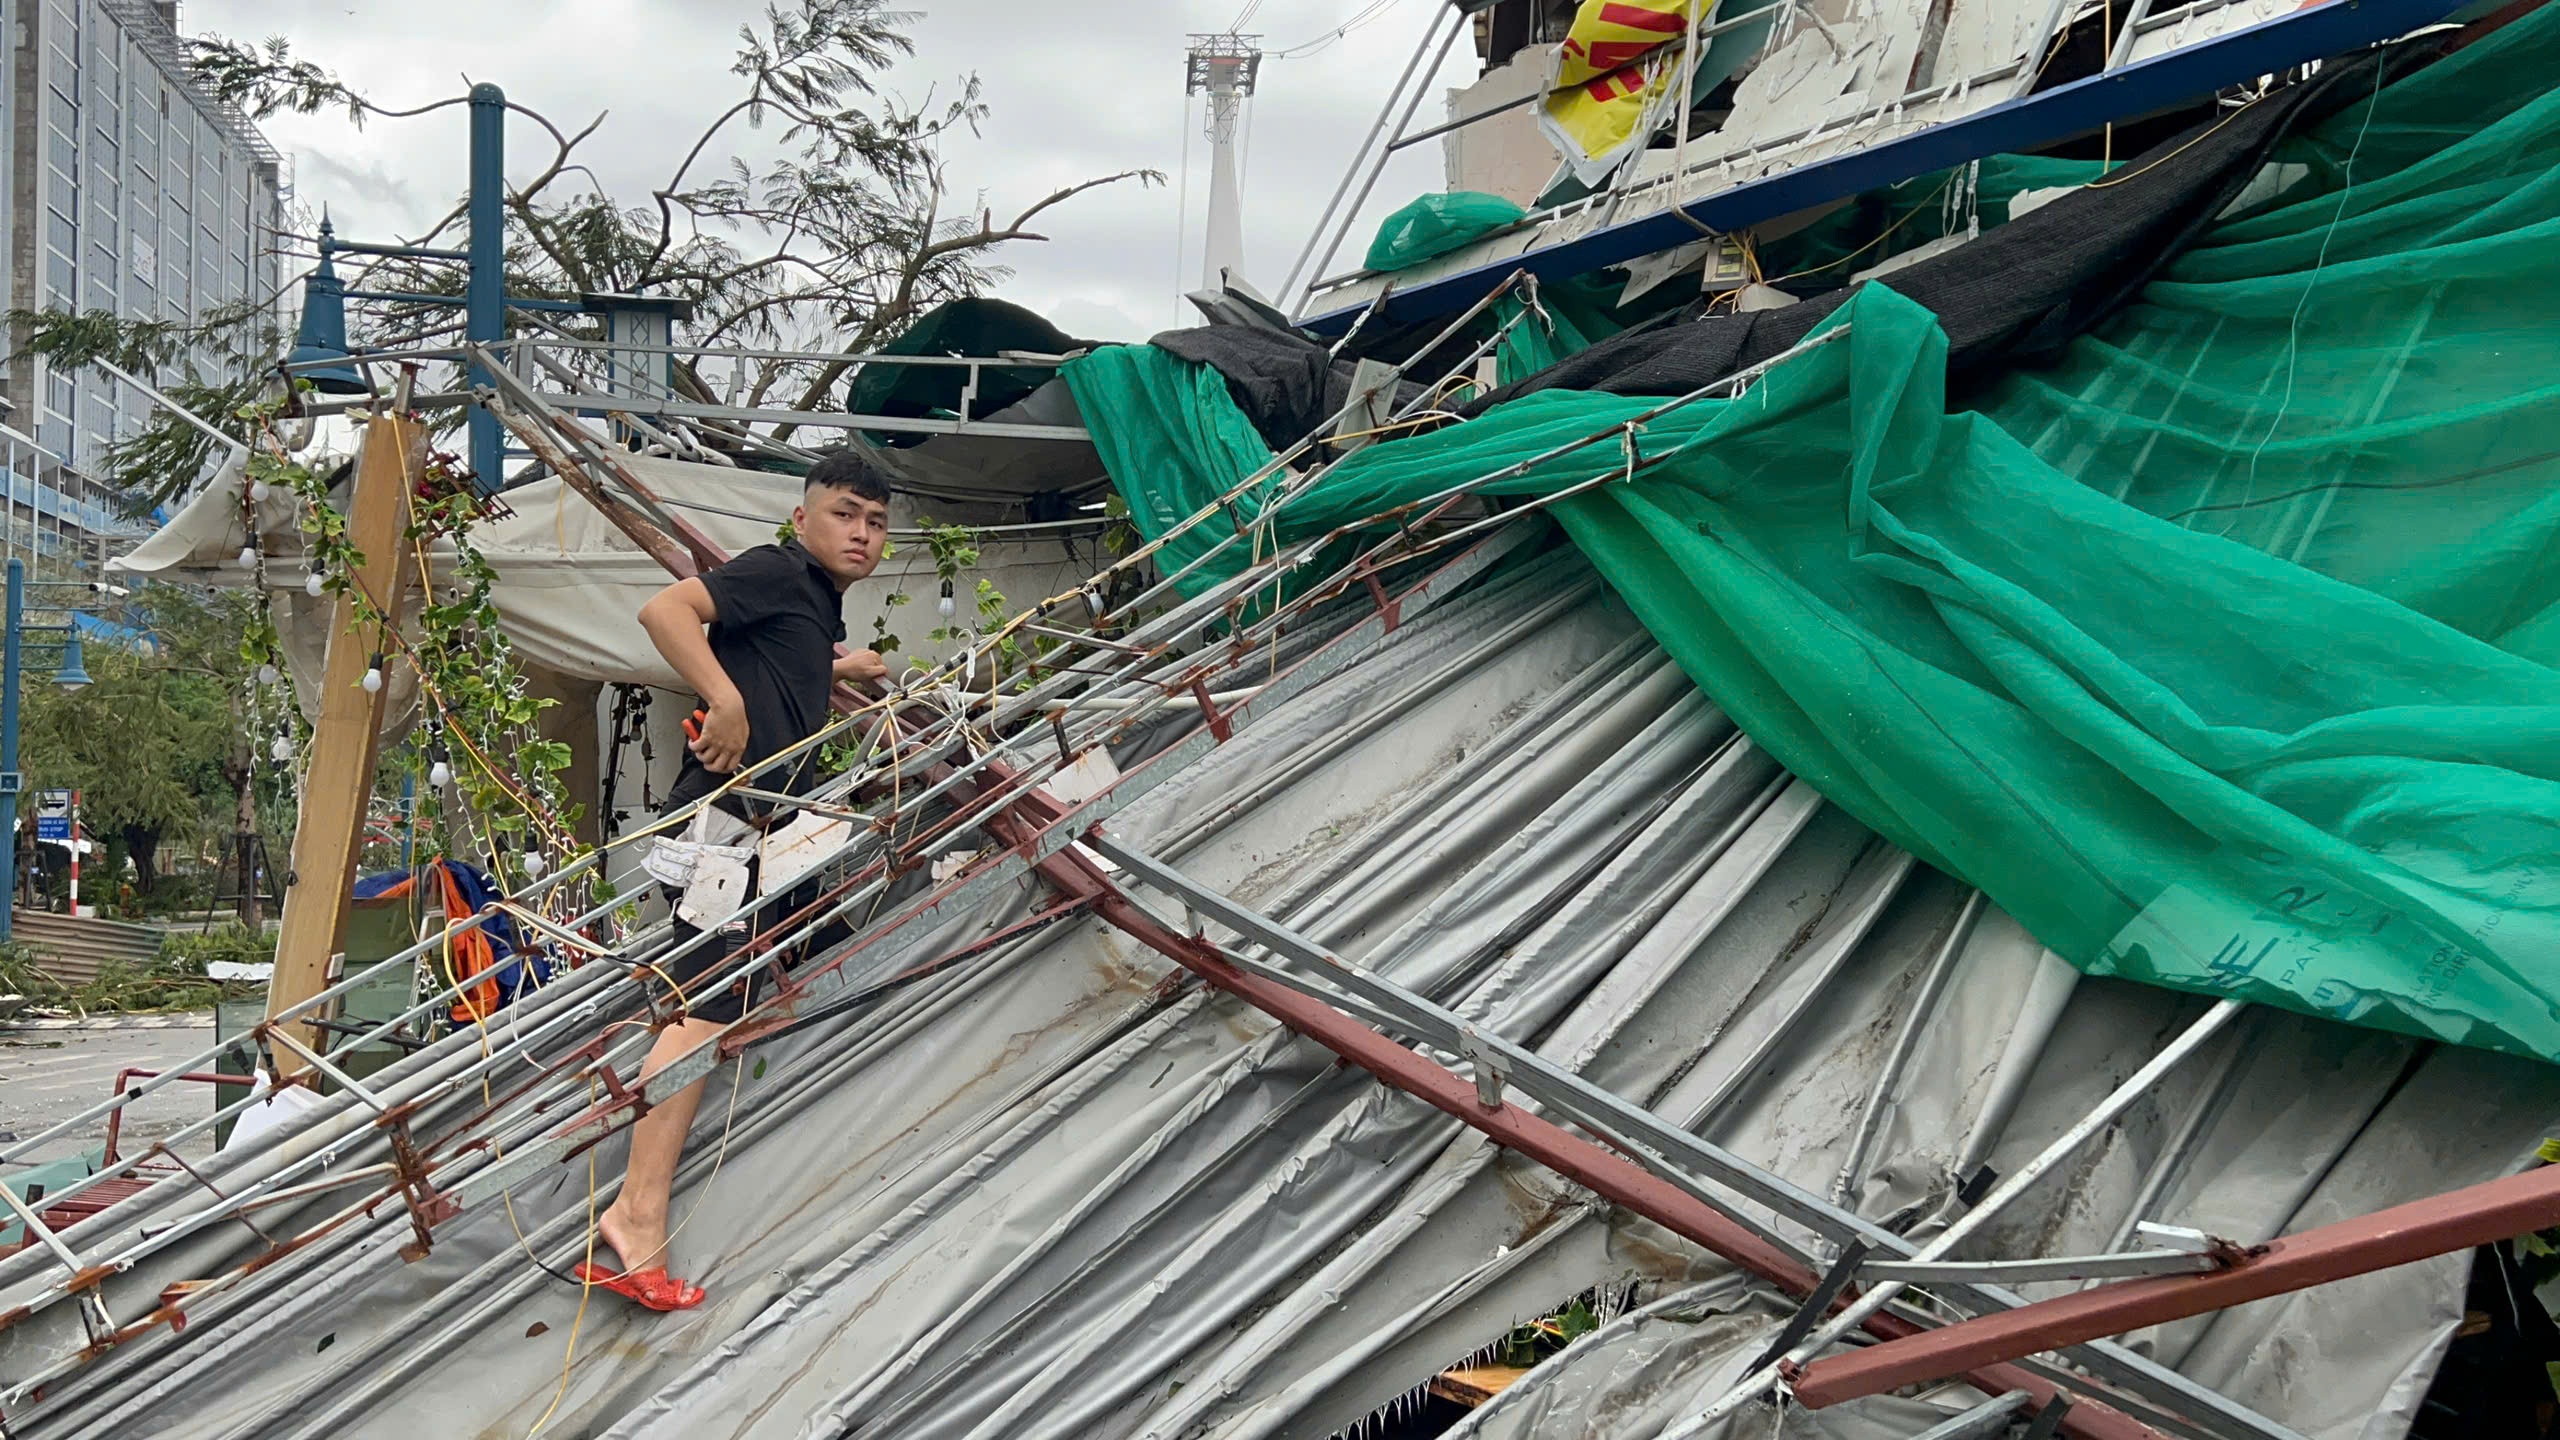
point(1075, 90)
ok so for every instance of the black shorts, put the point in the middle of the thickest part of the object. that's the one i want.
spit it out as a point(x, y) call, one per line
point(692, 970)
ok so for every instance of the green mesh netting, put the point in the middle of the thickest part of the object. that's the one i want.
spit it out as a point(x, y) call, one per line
point(2220, 655)
point(1437, 224)
point(1873, 228)
point(1171, 436)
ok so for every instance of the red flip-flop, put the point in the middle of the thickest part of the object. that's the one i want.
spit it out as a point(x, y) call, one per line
point(653, 1288)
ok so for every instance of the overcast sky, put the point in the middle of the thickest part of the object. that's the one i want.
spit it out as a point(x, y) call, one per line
point(1078, 88)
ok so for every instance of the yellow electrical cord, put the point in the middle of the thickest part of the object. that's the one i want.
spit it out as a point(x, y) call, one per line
point(586, 1289)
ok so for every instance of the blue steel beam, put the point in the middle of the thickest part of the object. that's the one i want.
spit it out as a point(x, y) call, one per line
point(2130, 90)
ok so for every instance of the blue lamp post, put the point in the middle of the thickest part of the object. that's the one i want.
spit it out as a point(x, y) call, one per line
point(70, 675)
point(321, 353)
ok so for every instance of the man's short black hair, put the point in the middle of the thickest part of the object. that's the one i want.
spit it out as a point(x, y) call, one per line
point(845, 469)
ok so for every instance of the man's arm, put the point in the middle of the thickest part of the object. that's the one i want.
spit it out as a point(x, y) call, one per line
point(674, 618)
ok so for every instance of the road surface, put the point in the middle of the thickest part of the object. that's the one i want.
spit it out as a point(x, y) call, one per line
point(50, 1072)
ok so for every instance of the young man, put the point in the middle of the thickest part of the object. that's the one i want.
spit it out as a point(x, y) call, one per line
point(763, 670)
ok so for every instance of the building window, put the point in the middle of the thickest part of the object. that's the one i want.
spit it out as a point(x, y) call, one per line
point(102, 278)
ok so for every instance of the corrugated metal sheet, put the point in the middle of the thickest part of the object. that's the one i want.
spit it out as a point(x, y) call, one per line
point(1056, 1191)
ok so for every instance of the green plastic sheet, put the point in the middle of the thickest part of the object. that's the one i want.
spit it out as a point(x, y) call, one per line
point(1434, 225)
point(2222, 654)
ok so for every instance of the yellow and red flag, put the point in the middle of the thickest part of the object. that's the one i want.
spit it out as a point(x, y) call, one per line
point(1606, 77)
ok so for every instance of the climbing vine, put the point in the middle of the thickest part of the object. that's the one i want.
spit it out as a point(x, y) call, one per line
point(478, 737)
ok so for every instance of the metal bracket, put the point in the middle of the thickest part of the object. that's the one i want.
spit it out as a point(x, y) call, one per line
point(1216, 719)
point(2048, 1420)
point(1817, 1304)
point(1484, 1065)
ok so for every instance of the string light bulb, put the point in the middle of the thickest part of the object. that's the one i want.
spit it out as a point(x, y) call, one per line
point(534, 864)
point(268, 674)
point(373, 677)
point(313, 584)
point(259, 490)
point(248, 557)
point(946, 604)
point(439, 774)
point(282, 750)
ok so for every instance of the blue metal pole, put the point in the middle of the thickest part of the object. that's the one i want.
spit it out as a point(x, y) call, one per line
point(9, 780)
point(485, 294)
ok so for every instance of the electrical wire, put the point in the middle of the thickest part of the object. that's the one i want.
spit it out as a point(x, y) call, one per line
point(1370, 14)
point(586, 1292)
point(2293, 327)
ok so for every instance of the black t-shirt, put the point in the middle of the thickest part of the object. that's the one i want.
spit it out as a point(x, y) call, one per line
point(780, 617)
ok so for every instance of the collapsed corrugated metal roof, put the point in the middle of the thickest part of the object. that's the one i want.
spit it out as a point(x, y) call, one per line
point(1009, 1169)
point(1052, 1189)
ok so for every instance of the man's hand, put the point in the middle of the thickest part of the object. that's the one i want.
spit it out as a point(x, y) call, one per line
point(856, 667)
point(720, 741)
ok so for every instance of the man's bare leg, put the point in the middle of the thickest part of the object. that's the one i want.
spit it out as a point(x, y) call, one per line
point(635, 1225)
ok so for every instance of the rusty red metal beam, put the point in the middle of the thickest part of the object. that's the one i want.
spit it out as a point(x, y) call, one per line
point(1621, 1180)
point(2401, 1235)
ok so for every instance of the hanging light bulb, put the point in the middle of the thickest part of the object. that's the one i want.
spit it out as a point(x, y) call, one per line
point(248, 557)
point(373, 677)
point(268, 674)
point(440, 774)
point(946, 604)
point(312, 584)
point(259, 490)
point(534, 864)
point(1093, 604)
point(282, 750)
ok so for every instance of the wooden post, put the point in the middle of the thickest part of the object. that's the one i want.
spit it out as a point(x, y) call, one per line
point(336, 792)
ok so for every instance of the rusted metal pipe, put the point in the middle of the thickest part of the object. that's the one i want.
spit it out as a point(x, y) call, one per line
point(2401, 1235)
point(115, 1117)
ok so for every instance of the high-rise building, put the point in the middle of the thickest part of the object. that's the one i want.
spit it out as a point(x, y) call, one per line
point(131, 189)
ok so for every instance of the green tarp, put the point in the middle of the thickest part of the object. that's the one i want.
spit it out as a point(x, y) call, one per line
point(1434, 225)
point(2222, 655)
point(972, 325)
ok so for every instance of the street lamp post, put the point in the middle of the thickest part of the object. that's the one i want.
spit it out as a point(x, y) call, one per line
point(322, 354)
point(70, 675)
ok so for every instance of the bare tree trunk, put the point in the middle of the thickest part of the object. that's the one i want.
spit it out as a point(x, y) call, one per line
point(143, 845)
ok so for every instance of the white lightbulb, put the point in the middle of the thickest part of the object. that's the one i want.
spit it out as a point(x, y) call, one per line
point(373, 679)
point(259, 490)
point(534, 865)
point(281, 751)
point(269, 674)
point(946, 605)
point(248, 557)
point(311, 584)
point(439, 775)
